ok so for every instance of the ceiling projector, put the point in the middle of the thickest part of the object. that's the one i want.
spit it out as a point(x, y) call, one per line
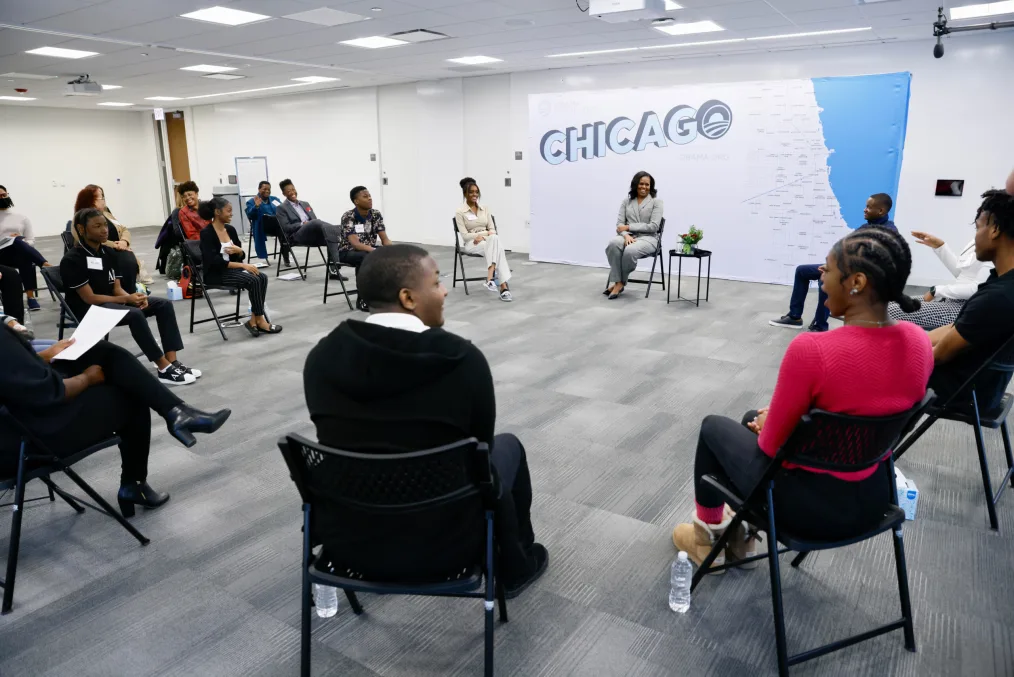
point(82, 86)
point(621, 11)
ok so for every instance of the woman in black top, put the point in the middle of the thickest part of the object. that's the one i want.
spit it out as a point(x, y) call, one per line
point(222, 263)
point(71, 405)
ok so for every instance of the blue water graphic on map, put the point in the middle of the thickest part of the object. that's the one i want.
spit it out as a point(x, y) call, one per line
point(864, 120)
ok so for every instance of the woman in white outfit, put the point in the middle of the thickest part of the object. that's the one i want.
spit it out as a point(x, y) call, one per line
point(637, 227)
point(478, 233)
point(942, 303)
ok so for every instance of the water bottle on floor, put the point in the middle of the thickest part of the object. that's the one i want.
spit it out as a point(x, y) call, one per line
point(680, 578)
point(325, 598)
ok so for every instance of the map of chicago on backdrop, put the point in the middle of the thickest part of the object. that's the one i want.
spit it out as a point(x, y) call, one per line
point(773, 172)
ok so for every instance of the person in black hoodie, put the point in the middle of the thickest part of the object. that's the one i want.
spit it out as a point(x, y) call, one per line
point(398, 383)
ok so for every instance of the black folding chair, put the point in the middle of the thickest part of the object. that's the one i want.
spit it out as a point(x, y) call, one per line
point(826, 441)
point(964, 406)
point(385, 490)
point(460, 254)
point(336, 266)
point(192, 257)
point(68, 240)
point(656, 257)
point(271, 227)
point(54, 282)
point(35, 461)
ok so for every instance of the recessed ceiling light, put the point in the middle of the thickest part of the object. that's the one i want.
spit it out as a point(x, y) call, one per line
point(224, 15)
point(112, 86)
point(115, 103)
point(376, 9)
point(373, 42)
point(163, 98)
point(26, 76)
point(205, 68)
point(984, 9)
point(811, 33)
point(223, 76)
point(696, 44)
point(594, 51)
point(314, 79)
point(690, 28)
point(670, 5)
point(475, 60)
point(325, 16)
point(17, 98)
point(61, 52)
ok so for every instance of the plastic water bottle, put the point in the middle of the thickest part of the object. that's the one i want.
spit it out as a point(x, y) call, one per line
point(679, 594)
point(325, 598)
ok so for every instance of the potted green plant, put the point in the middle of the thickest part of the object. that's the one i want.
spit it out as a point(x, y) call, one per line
point(691, 238)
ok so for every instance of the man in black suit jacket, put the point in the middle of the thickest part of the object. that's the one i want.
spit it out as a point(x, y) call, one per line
point(302, 226)
point(398, 383)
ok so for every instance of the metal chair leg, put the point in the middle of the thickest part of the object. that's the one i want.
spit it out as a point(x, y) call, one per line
point(906, 602)
point(776, 589)
point(501, 599)
point(798, 559)
point(15, 543)
point(304, 610)
point(980, 446)
point(651, 277)
point(1005, 433)
point(357, 608)
point(63, 494)
point(109, 510)
point(214, 314)
point(488, 602)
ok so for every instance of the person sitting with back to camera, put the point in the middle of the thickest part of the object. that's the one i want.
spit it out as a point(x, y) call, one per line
point(943, 303)
point(399, 383)
point(91, 279)
point(222, 263)
point(637, 227)
point(478, 236)
point(878, 207)
point(360, 229)
point(873, 366)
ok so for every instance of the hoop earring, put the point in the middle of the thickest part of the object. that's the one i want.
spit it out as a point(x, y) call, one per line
point(854, 291)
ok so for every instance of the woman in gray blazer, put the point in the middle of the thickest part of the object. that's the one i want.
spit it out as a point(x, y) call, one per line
point(636, 232)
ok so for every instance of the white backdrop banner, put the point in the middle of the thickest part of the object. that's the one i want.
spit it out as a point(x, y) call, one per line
point(772, 172)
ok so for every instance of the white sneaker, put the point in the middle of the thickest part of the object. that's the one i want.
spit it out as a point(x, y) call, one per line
point(261, 263)
point(490, 285)
point(505, 295)
point(175, 377)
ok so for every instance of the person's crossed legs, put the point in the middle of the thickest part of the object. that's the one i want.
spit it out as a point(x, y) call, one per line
point(805, 274)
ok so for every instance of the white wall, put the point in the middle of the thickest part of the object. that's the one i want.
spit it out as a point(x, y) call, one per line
point(49, 154)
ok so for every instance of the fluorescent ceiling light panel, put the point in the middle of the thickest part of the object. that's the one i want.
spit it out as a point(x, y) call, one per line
point(61, 52)
point(17, 98)
point(314, 79)
point(325, 16)
point(115, 104)
point(594, 51)
point(696, 44)
point(225, 15)
point(373, 42)
point(112, 87)
point(163, 98)
point(475, 60)
point(247, 91)
point(670, 5)
point(205, 68)
point(810, 34)
point(223, 76)
point(26, 76)
point(419, 35)
point(690, 28)
point(984, 9)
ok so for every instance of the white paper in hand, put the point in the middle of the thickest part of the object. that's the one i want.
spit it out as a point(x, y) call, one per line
point(96, 324)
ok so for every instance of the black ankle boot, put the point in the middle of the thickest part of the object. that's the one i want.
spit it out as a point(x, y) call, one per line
point(139, 493)
point(183, 421)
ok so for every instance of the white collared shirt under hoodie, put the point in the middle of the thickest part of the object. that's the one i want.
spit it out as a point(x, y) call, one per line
point(969, 271)
point(403, 321)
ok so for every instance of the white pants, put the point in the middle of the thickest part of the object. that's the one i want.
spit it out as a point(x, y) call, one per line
point(494, 253)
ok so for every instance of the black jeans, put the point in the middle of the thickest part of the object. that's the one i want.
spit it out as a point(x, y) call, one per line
point(353, 258)
point(808, 504)
point(125, 264)
point(137, 320)
point(121, 406)
point(25, 258)
point(12, 293)
point(512, 514)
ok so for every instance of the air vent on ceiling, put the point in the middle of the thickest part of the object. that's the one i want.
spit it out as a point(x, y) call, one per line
point(325, 16)
point(419, 35)
point(470, 69)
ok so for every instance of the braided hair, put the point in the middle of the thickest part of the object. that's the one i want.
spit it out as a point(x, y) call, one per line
point(1000, 205)
point(884, 257)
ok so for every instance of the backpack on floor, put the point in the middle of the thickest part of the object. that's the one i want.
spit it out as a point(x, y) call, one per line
point(174, 264)
point(186, 283)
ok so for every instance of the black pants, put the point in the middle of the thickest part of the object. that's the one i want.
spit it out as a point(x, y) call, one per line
point(512, 514)
point(137, 320)
point(121, 406)
point(25, 258)
point(12, 293)
point(125, 264)
point(353, 258)
point(809, 504)
point(256, 286)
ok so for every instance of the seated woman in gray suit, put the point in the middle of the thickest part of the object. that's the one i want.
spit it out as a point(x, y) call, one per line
point(636, 232)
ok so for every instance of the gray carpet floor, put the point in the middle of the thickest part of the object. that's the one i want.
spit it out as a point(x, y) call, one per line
point(607, 398)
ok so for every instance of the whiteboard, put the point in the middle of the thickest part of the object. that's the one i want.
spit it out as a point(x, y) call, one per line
point(249, 172)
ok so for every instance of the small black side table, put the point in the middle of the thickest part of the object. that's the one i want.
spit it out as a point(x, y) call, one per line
point(698, 254)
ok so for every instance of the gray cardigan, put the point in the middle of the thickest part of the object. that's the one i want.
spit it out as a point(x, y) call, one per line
point(644, 218)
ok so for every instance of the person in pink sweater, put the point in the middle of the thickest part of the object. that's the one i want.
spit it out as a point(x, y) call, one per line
point(872, 366)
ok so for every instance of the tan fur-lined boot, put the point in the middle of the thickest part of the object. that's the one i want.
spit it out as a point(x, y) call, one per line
point(743, 541)
point(697, 538)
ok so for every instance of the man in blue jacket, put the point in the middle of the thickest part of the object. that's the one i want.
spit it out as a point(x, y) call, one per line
point(877, 209)
point(261, 204)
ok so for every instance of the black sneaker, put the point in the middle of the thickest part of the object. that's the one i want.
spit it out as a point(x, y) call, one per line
point(788, 322)
point(175, 377)
point(512, 589)
point(361, 305)
point(816, 328)
point(196, 373)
